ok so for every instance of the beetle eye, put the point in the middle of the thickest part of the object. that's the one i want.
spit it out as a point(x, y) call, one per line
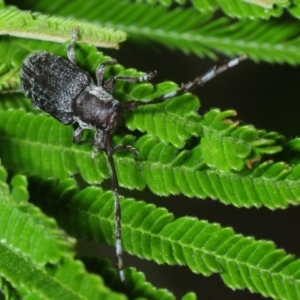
point(116, 106)
point(103, 127)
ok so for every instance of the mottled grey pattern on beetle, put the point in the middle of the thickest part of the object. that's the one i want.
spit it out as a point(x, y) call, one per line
point(53, 83)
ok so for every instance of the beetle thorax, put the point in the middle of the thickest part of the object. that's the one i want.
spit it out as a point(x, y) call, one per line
point(95, 108)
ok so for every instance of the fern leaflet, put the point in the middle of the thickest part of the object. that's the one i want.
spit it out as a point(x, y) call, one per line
point(235, 8)
point(204, 248)
point(179, 173)
point(191, 32)
point(25, 24)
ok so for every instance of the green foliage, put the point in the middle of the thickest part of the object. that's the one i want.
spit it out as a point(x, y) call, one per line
point(153, 233)
point(240, 9)
point(162, 167)
point(36, 255)
point(42, 27)
point(191, 31)
point(181, 151)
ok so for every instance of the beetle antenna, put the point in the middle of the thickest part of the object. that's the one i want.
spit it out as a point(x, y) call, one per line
point(189, 86)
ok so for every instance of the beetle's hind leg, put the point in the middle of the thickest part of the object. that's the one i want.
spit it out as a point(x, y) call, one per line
point(71, 47)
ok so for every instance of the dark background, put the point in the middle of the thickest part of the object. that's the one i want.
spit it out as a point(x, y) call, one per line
point(264, 95)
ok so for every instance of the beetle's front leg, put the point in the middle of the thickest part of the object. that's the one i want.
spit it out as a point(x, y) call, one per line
point(71, 47)
point(101, 70)
point(110, 83)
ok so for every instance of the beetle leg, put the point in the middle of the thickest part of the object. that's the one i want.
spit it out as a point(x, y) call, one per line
point(77, 135)
point(117, 208)
point(110, 83)
point(110, 149)
point(71, 47)
point(101, 70)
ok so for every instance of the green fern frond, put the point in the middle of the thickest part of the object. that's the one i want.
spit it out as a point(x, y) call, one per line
point(8, 291)
point(4, 188)
point(189, 296)
point(204, 248)
point(219, 35)
point(38, 262)
point(263, 9)
point(66, 190)
point(24, 228)
point(9, 80)
point(136, 285)
point(68, 279)
point(235, 146)
point(180, 151)
point(271, 184)
point(205, 6)
point(41, 27)
point(235, 8)
point(226, 145)
point(295, 9)
point(292, 150)
point(213, 3)
point(49, 152)
point(9, 68)
point(36, 257)
point(234, 143)
point(19, 191)
point(163, 2)
point(191, 32)
point(175, 121)
point(269, 3)
point(14, 101)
